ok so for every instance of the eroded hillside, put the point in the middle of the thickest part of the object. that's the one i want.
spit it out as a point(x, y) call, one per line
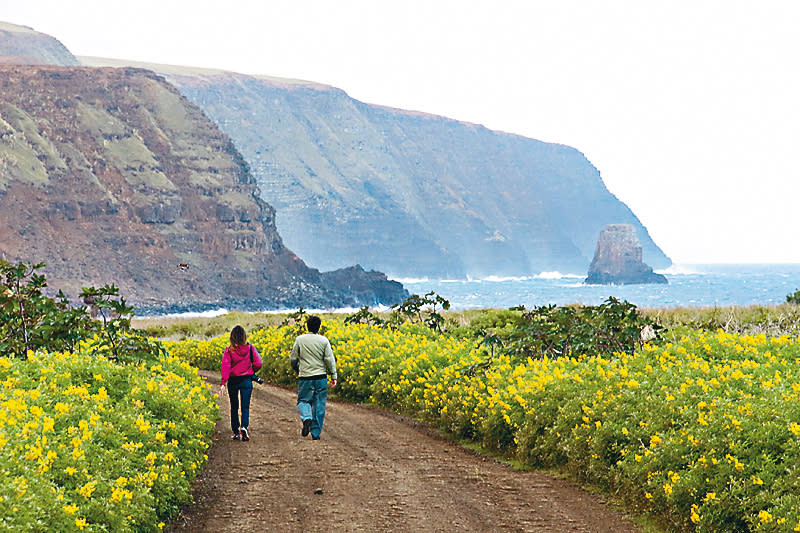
point(112, 176)
point(408, 193)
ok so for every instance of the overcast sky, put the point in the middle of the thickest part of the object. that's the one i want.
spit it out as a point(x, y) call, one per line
point(689, 109)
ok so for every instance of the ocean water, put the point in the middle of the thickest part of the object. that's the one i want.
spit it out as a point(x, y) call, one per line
point(689, 286)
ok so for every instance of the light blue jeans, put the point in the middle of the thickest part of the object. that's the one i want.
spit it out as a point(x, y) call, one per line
point(312, 395)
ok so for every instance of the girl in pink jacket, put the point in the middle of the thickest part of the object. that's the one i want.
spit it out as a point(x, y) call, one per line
point(239, 365)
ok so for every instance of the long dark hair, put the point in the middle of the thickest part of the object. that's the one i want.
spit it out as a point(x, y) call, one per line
point(238, 336)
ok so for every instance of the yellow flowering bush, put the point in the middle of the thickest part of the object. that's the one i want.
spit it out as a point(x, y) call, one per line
point(89, 444)
point(704, 432)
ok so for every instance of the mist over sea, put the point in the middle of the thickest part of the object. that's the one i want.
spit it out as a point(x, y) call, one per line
point(689, 286)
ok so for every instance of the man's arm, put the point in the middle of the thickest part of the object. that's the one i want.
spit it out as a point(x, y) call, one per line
point(294, 357)
point(330, 364)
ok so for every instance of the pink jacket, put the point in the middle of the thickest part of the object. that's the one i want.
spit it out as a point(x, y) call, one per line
point(236, 362)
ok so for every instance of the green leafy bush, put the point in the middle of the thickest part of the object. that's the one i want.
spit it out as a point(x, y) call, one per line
point(420, 309)
point(564, 331)
point(30, 320)
point(793, 298)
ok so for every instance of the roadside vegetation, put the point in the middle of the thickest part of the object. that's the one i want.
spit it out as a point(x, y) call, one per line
point(692, 416)
point(695, 427)
point(100, 428)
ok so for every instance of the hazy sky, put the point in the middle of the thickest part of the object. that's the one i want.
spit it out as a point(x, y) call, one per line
point(689, 109)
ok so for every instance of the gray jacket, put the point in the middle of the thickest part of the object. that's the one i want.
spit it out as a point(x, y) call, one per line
point(312, 356)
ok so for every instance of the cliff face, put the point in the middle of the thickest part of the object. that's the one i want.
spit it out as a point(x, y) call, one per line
point(24, 46)
point(112, 176)
point(618, 259)
point(408, 193)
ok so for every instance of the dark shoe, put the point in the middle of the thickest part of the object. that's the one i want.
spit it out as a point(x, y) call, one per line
point(236, 436)
point(306, 427)
point(314, 438)
point(245, 435)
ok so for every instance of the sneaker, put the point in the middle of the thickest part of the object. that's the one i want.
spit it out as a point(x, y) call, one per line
point(306, 427)
point(236, 436)
point(245, 435)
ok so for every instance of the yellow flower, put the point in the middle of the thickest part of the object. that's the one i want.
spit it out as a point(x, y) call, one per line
point(87, 490)
point(695, 517)
point(118, 494)
point(143, 425)
point(765, 517)
point(70, 509)
point(80, 523)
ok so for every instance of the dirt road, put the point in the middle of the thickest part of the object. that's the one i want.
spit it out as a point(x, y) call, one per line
point(372, 471)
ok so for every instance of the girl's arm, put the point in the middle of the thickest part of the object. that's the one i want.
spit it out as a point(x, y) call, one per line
point(225, 367)
point(257, 362)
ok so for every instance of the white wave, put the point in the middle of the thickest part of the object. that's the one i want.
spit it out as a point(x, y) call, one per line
point(542, 275)
point(679, 270)
point(197, 314)
point(380, 308)
point(555, 274)
point(499, 279)
point(410, 280)
point(492, 279)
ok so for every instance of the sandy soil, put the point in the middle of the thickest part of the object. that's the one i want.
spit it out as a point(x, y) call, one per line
point(372, 471)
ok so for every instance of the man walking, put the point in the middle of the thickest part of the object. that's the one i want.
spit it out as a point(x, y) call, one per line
point(312, 359)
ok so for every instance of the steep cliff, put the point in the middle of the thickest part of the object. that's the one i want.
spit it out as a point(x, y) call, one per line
point(618, 259)
point(407, 193)
point(24, 46)
point(112, 176)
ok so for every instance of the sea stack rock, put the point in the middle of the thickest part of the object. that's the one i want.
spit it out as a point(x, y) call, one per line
point(618, 259)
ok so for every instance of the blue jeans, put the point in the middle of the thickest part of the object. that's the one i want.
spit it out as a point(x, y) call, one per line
point(312, 394)
point(240, 385)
